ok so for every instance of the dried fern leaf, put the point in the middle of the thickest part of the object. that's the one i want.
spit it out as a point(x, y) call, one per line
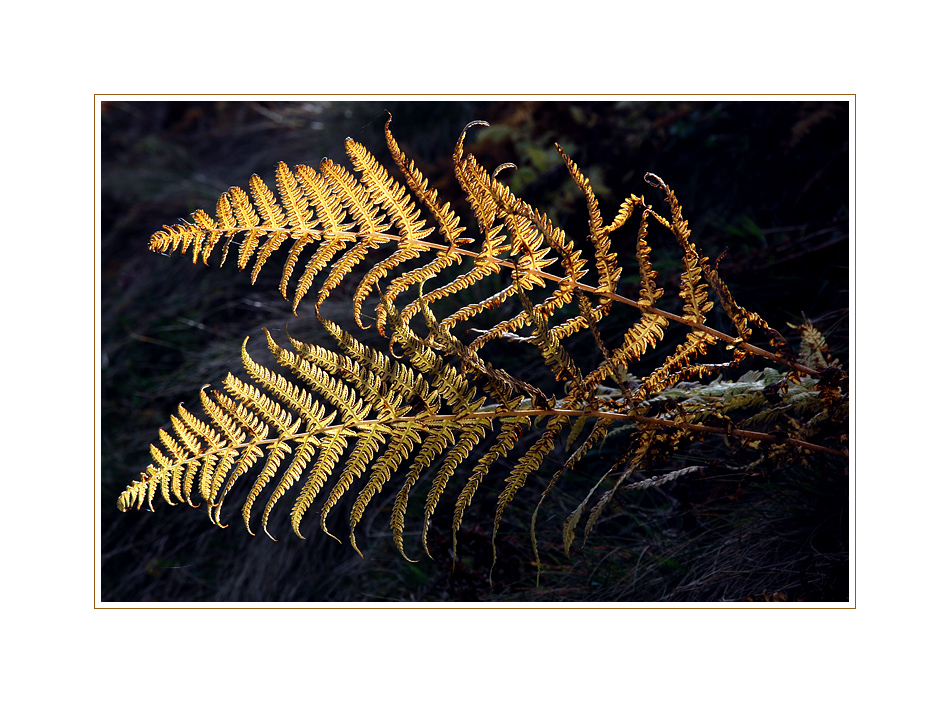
point(330, 422)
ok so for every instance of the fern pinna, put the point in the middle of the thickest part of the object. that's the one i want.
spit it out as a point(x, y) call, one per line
point(323, 422)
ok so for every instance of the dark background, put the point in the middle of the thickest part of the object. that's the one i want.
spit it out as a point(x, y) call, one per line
point(766, 182)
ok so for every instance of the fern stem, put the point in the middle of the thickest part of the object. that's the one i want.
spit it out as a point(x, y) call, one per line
point(499, 414)
point(673, 317)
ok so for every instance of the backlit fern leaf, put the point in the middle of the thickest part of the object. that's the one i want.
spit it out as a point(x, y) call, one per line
point(358, 419)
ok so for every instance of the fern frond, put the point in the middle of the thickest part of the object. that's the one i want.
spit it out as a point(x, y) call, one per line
point(331, 450)
point(272, 219)
point(404, 215)
point(597, 434)
point(433, 446)
point(367, 444)
point(605, 260)
point(510, 433)
point(472, 432)
point(306, 447)
point(325, 422)
point(277, 451)
point(405, 437)
point(528, 464)
point(570, 525)
point(330, 215)
point(635, 461)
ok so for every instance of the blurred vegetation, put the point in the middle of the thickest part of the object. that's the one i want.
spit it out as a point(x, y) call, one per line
point(764, 182)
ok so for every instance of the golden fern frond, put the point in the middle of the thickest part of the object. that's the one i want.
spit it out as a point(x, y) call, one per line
point(330, 229)
point(367, 444)
point(331, 450)
point(472, 432)
point(356, 419)
point(286, 422)
point(647, 331)
point(529, 463)
point(273, 219)
point(448, 222)
point(404, 215)
point(509, 435)
point(404, 437)
point(434, 445)
point(605, 259)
